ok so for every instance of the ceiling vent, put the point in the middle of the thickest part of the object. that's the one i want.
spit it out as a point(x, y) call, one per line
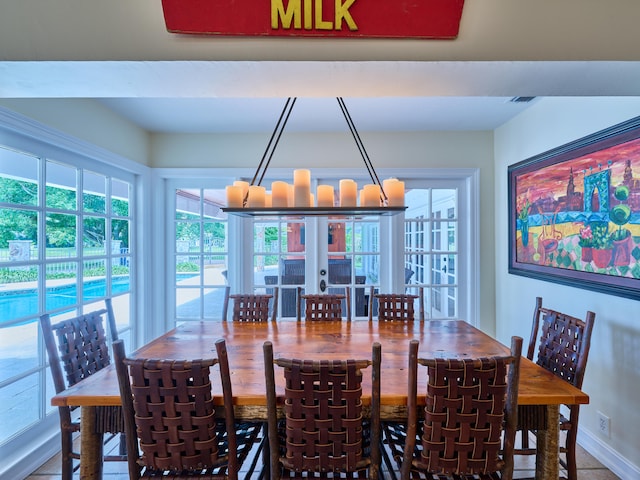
point(521, 99)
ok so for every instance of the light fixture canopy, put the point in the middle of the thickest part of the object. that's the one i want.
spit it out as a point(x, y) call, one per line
point(249, 199)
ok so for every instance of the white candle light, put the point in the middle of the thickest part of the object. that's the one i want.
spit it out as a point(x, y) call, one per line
point(256, 196)
point(348, 193)
point(244, 186)
point(279, 194)
point(325, 195)
point(234, 196)
point(371, 195)
point(301, 187)
point(394, 189)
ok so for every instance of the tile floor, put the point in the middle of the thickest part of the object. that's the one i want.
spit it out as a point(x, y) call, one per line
point(588, 469)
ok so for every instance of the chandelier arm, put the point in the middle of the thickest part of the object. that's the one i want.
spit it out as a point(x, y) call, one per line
point(363, 152)
point(277, 132)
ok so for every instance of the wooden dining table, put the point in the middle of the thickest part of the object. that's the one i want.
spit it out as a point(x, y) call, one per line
point(323, 340)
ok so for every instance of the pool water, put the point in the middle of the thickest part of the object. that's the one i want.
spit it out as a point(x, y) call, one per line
point(18, 304)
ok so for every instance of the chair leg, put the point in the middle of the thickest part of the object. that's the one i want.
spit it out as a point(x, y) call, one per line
point(572, 468)
point(123, 445)
point(67, 457)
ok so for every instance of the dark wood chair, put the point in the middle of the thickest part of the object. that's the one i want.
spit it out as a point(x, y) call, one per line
point(395, 307)
point(324, 430)
point(563, 344)
point(468, 426)
point(172, 426)
point(77, 347)
point(251, 307)
point(323, 306)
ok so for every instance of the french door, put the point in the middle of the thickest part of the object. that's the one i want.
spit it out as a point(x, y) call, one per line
point(430, 249)
point(319, 255)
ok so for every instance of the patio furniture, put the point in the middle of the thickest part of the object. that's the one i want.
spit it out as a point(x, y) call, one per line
point(324, 429)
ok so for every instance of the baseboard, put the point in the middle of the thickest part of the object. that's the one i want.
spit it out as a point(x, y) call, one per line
point(610, 458)
point(30, 457)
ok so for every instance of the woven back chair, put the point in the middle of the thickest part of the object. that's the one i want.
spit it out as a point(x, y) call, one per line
point(395, 307)
point(77, 348)
point(468, 425)
point(251, 307)
point(323, 306)
point(563, 344)
point(325, 429)
point(170, 418)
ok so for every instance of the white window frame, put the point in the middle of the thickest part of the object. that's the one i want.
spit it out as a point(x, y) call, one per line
point(33, 446)
point(391, 231)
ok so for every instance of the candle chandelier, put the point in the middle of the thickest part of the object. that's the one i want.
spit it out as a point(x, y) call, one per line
point(296, 199)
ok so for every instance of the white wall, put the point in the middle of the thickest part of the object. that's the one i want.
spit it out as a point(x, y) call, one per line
point(88, 120)
point(338, 150)
point(613, 377)
point(489, 30)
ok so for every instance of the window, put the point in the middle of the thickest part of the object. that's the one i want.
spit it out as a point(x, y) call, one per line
point(433, 214)
point(259, 253)
point(200, 254)
point(65, 245)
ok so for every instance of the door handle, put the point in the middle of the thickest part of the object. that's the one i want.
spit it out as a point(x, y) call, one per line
point(323, 285)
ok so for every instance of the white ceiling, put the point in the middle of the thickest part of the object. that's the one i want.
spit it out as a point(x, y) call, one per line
point(228, 115)
point(245, 96)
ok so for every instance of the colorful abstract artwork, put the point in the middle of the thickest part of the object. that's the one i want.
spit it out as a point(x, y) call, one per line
point(574, 213)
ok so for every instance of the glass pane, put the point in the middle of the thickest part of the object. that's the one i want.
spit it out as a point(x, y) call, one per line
point(336, 237)
point(18, 349)
point(188, 303)
point(18, 235)
point(93, 236)
point(95, 280)
point(414, 237)
point(188, 270)
point(445, 236)
point(367, 237)
point(296, 237)
point(61, 186)
point(367, 269)
point(19, 406)
point(187, 204)
point(18, 178)
point(215, 269)
point(215, 237)
point(120, 195)
point(18, 293)
point(121, 306)
point(120, 283)
point(349, 237)
point(93, 197)
point(444, 203)
point(120, 237)
point(187, 236)
point(213, 303)
point(212, 200)
point(417, 201)
point(61, 235)
point(61, 285)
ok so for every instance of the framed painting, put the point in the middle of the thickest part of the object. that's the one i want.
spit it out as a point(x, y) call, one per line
point(574, 213)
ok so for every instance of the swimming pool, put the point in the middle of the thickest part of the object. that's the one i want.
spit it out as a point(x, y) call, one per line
point(18, 304)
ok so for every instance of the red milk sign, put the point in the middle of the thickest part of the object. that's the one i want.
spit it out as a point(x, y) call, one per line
point(315, 18)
